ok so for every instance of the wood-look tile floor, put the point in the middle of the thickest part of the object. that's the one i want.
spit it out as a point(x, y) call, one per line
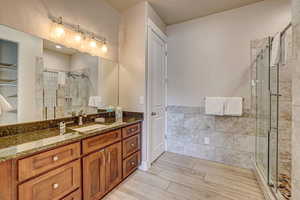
point(177, 177)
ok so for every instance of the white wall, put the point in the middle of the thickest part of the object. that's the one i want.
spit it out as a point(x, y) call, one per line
point(108, 79)
point(80, 61)
point(31, 16)
point(132, 54)
point(210, 56)
point(132, 57)
point(56, 60)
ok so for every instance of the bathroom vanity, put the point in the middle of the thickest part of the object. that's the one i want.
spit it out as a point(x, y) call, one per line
point(86, 166)
point(49, 85)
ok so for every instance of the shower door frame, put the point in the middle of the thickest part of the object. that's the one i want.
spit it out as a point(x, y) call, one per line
point(268, 174)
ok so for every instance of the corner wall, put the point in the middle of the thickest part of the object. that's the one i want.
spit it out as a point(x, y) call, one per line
point(210, 56)
point(132, 58)
point(133, 63)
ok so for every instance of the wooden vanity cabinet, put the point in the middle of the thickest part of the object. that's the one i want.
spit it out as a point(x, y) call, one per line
point(87, 169)
point(6, 181)
point(102, 171)
point(94, 175)
point(37, 164)
point(113, 165)
point(74, 196)
point(53, 185)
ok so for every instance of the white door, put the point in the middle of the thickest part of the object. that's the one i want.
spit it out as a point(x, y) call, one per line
point(157, 93)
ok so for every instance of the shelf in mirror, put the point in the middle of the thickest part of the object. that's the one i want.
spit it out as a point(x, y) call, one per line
point(12, 96)
point(8, 84)
point(8, 66)
point(13, 111)
point(7, 80)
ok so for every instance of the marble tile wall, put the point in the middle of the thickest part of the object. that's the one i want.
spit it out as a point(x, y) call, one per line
point(296, 101)
point(232, 139)
point(285, 112)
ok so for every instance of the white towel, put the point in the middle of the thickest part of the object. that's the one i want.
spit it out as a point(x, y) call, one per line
point(61, 78)
point(214, 105)
point(234, 106)
point(275, 52)
point(95, 101)
point(4, 105)
point(286, 49)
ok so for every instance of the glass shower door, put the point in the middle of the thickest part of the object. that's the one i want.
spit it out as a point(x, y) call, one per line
point(267, 89)
point(263, 108)
point(273, 137)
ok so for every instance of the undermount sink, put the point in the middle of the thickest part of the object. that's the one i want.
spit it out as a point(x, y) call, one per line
point(90, 128)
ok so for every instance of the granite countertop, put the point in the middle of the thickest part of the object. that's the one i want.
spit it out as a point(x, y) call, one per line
point(23, 144)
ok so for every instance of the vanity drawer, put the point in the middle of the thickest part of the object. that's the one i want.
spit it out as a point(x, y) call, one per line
point(37, 164)
point(131, 145)
point(101, 141)
point(53, 185)
point(74, 195)
point(131, 164)
point(131, 130)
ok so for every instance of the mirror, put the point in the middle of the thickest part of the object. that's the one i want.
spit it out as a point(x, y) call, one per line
point(42, 80)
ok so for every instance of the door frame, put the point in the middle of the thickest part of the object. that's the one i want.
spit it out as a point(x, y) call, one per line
point(152, 27)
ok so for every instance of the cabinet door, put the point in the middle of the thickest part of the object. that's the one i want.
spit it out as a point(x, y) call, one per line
point(53, 185)
point(113, 165)
point(94, 176)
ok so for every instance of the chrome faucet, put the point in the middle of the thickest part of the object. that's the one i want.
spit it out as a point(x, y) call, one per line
point(81, 115)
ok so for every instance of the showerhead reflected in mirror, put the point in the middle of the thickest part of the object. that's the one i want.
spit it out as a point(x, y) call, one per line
point(51, 81)
point(76, 82)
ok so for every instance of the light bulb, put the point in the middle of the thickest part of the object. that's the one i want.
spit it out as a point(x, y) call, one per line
point(104, 48)
point(77, 37)
point(59, 31)
point(93, 44)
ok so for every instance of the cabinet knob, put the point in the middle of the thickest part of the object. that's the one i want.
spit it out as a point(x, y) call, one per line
point(55, 158)
point(132, 144)
point(133, 163)
point(132, 130)
point(55, 186)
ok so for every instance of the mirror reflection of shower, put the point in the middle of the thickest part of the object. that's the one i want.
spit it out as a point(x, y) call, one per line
point(69, 79)
point(74, 82)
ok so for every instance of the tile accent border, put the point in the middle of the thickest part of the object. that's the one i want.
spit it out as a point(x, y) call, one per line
point(232, 139)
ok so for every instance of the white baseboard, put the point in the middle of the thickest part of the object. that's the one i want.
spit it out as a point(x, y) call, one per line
point(145, 165)
point(268, 193)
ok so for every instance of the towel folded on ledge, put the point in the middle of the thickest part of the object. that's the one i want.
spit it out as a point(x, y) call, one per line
point(214, 105)
point(95, 101)
point(220, 106)
point(233, 106)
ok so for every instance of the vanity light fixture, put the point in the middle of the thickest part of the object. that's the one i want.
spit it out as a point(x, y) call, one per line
point(104, 48)
point(58, 31)
point(93, 43)
point(75, 37)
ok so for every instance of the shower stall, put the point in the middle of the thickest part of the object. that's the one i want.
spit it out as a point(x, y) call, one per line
point(271, 103)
